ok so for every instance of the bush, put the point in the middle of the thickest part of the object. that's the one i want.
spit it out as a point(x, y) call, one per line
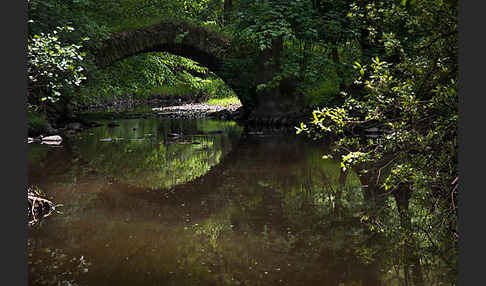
point(36, 124)
point(53, 67)
point(324, 94)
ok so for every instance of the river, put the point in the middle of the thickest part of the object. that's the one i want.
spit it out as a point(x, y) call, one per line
point(160, 201)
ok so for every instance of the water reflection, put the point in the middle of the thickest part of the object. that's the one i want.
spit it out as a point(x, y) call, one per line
point(143, 153)
point(233, 210)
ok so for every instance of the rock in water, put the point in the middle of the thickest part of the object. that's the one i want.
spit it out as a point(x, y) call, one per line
point(54, 138)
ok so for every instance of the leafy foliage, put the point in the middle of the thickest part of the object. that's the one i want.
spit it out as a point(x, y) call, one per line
point(311, 45)
point(413, 102)
point(152, 74)
point(52, 66)
point(93, 21)
point(36, 124)
point(383, 67)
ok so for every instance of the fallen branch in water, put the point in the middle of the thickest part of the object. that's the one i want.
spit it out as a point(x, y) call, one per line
point(38, 208)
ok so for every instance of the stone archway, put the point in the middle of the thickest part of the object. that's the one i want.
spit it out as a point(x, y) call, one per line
point(216, 52)
point(208, 48)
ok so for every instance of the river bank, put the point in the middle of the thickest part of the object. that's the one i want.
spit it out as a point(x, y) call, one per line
point(175, 107)
point(75, 118)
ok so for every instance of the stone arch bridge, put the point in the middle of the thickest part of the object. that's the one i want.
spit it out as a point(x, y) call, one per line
point(212, 50)
point(208, 48)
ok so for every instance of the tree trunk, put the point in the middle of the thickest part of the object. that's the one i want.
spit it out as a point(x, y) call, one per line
point(269, 100)
point(227, 10)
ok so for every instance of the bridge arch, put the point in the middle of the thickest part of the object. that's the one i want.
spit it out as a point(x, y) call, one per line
point(209, 48)
point(241, 71)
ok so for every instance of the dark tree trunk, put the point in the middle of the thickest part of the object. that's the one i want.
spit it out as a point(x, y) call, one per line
point(342, 177)
point(228, 7)
point(335, 58)
point(269, 100)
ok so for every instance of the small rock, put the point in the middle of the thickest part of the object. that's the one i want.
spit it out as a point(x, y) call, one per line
point(55, 138)
point(51, 140)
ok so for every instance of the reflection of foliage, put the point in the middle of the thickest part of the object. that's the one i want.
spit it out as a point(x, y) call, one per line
point(37, 153)
point(409, 242)
point(157, 162)
point(312, 239)
point(52, 266)
point(38, 207)
point(212, 229)
point(273, 214)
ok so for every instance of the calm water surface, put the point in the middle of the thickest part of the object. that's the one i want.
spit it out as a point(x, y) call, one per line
point(216, 206)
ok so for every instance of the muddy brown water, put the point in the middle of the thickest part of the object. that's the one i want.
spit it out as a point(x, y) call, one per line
point(198, 202)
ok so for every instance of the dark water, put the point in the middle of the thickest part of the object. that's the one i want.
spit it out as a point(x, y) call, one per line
point(217, 206)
